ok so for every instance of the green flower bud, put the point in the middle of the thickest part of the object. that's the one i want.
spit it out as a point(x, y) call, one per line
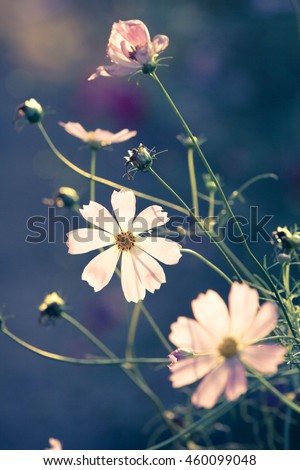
point(149, 67)
point(209, 183)
point(30, 110)
point(188, 142)
point(66, 197)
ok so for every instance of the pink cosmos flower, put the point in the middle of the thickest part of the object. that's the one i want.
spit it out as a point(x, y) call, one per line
point(130, 49)
point(220, 341)
point(98, 138)
point(123, 234)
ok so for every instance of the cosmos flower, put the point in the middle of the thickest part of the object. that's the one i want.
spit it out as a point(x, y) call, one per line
point(123, 233)
point(130, 49)
point(221, 342)
point(98, 138)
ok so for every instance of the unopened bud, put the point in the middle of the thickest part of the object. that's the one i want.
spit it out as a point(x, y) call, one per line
point(30, 110)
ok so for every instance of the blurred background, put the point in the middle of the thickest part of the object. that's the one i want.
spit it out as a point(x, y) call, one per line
point(235, 74)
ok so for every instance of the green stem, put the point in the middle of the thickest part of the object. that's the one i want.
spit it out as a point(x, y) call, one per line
point(234, 259)
point(93, 172)
point(98, 179)
point(85, 362)
point(211, 265)
point(211, 207)
point(193, 181)
point(132, 330)
point(89, 335)
point(156, 329)
point(199, 425)
point(138, 380)
point(226, 202)
point(274, 390)
point(196, 219)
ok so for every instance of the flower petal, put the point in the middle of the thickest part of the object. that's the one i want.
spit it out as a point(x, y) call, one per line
point(187, 371)
point(114, 70)
point(263, 323)
point(166, 251)
point(211, 312)
point(151, 274)
point(99, 271)
point(123, 203)
point(149, 218)
point(75, 129)
point(133, 31)
point(264, 358)
point(237, 383)
point(123, 135)
point(243, 306)
point(99, 216)
point(211, 387)
point(188, 334)
point(84, 240)
point(132, 286)
point(159, 43)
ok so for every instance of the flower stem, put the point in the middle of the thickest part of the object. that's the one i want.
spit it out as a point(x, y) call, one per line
point(274, 390)
point(98, 179)
point(156, 329)
point(197, 220)
point(193, 181)
point(85, 362)
point(132, 330)
point(93, 172)
point(89, 335)
point(208, 418)
point(211, 265)
point(226, 202)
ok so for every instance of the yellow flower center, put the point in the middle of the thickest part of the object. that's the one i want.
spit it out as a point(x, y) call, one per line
point(228, 348)
point(125, 241)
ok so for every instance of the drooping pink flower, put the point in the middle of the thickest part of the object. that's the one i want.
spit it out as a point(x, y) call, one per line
point(221, 340)
point(123, 233)
point(130, 49)
point(98, 138)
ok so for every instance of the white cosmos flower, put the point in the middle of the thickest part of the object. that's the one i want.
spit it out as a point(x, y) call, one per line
point(122, 233)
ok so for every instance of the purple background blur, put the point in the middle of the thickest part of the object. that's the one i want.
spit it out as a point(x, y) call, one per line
point(235, 75)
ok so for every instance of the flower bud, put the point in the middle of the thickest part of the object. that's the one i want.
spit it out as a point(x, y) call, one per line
point(209, 183)
point(51, 307)
point(286, 239)
point(30, 110)
point(139, 158)
point(149, 67)
point(65, 197)
point(179, 354)
point(188, 142)
point(283, 258)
